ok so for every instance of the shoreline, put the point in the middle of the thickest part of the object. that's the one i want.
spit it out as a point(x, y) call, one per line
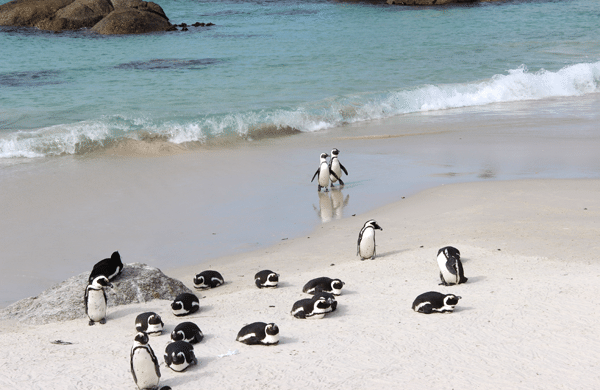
point(502, 333)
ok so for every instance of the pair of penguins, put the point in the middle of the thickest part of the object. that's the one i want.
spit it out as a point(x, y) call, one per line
point(329, 172)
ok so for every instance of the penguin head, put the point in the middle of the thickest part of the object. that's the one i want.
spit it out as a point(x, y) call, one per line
point(177, 305)
point(337, 284)
point(273, 277)
point(199, 281)
point(141, 338)
point(155, 319)
point(271, 329)
point(178, 358)
point(321, 303)
point(334, 152)
point(116, 257)
point(451, 300)
point(324, 156)
point(177, 335)
point(101, 282)
point(372, 223)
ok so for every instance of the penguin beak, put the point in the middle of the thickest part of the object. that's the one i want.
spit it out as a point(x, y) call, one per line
point(110, 285)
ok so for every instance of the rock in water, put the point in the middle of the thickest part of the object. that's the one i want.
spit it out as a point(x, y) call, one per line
point(64, 301)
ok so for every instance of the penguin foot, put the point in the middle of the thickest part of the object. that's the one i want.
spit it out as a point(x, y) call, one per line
point(91, 323)
point(102, 321)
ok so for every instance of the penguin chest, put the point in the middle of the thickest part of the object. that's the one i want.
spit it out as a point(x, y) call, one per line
point(367, 244)
point(324, 175)
point(96, 305)
point(449, 277)
point(144, 369)
point(335, 167)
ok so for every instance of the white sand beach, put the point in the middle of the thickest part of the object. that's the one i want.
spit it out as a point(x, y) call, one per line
point(527, 318)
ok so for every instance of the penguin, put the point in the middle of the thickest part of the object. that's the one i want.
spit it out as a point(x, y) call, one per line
point(188, 332)
point(434, 301)
point(365, 246)
point(111, 268)
point(95, 300)
point(149, 323)
point(323, 173)
point(451, 269)
point(312, 308)
point(144, 364)
point(208, 279)
point(336, 167)
point(259, 333)
point(179, 355)
point(329, 298)
point(266, 278)
point(185, 304)
point(324, 284)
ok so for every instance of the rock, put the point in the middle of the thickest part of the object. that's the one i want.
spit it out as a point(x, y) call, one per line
point(434, 2)
point(117, 17)
point(64, 301)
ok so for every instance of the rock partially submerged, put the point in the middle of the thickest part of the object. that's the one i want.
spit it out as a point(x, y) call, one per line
point(64, 301)
point(102, 16)
point(435, 2)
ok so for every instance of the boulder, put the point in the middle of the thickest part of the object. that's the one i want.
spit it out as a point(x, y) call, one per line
point(434, 2)
point(64, 301)
point(103, 16)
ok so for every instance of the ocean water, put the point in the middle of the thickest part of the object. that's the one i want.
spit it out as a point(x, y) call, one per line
point(504, 90)
point(280, 65)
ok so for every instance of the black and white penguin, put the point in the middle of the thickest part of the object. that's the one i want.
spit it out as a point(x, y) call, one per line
point(451, 269)
point(150, 323)
point(365, 247)
point(329, 298)
point(434, 301)
point(259, 333)
point(208, 279)
point(312, 308)
point(110, 268)
point(266, 278)
point(188, 332)
point(179, 355)
point(144, 364)
point(336, 167)
point(323, 284)
point(323, 173)
point(95, 299)
point(185, 304)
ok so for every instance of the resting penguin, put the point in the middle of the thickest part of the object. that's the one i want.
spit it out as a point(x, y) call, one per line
point(323, 173)
point(329, 298)
point(451, 269)
point(95, 300)
point(179, 355)
point(324, 284)
point(336, 167)
point(185, 304)
point(313, 308)
point(266, 278)
point(259, 333)
point(110, 268)
point(150, 323)
point(208, 279)
point(144, 364)
point(188, 332)
point(434, 301)
point(366, 240)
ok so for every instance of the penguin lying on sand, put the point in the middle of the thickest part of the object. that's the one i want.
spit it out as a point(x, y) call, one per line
point(266, 278)
point(144, 364)
point(366, 240)
point(323, 284)
point(451, 269)
point(188, 332)
point(259, 333)
point(312, 308)
point(185, 304)
point(208, 279)
point(434, 301)
point(336, 167)
point(95, 300)
point(149, 322)
point(179, 355)
point(323, 173)
point(110, 268)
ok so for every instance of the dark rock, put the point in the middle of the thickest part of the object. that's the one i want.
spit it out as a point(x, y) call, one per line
point(131, 21)
point(172, 28)
point(184, 29)
point(209, 24)
point(434, 2)
point(64, 301)
point(183, 25)
point(198, 24)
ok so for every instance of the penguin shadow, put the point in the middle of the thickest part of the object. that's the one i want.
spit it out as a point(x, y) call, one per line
point(288, 340)
point(125, 312)
point(279, 285)
point(389, 253)
point(476, 279)
point(182, 379)
point(458, 309)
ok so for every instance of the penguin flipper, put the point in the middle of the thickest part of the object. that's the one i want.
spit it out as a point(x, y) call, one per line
point(451, 266)
point(315, 175)
point(332, 173)
point(131, 365)
point(154, 360)
point(344, 169)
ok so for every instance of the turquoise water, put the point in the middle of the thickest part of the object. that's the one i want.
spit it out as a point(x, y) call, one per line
point(308, 65)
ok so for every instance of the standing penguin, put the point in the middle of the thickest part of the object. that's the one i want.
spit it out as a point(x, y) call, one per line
point(366, 240)
point(336, 167)
point(451, 269)
point(95, 300)
point(266, 278)
point(149, 322)
point(208, 279)
point(434, 301)
point(144, 364)
point(179, 355)
point(184, 304)
point(110, 268)
point(259, 333)
point(323, 173)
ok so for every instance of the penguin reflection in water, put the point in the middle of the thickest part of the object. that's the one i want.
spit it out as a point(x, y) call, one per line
point(95, 300)
point(323, 173)
point(366, 240)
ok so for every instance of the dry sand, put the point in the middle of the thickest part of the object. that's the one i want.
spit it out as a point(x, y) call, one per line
point(528, 318)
